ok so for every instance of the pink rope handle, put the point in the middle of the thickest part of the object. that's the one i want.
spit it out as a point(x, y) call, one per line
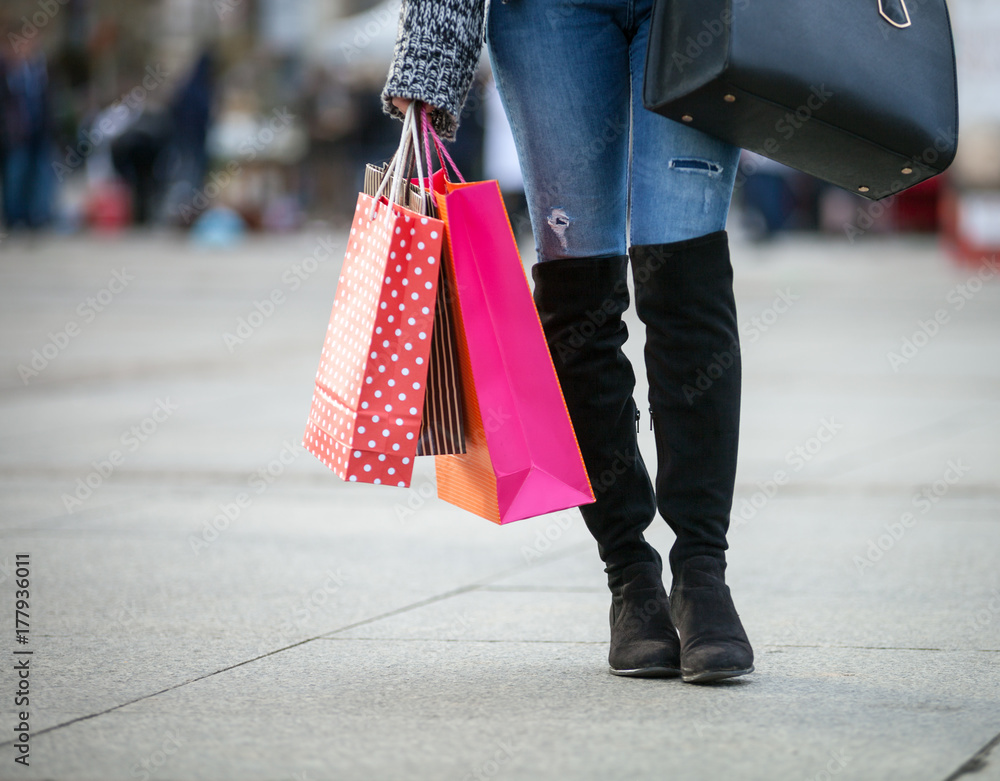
point(438, 145)
point(424, 123)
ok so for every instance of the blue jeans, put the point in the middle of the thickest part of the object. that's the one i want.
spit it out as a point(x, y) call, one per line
point(569, 73)
point(28, 184)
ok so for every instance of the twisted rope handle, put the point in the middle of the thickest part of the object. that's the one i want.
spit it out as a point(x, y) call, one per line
point(442, 152)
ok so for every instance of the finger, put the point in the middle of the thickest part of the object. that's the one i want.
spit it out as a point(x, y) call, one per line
point(401, 103)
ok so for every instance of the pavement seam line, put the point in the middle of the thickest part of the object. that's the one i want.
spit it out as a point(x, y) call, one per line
point(571, 551)
point(977, 761)
point(460, 640)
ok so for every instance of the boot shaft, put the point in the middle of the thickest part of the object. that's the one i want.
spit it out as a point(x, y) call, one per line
point(684, 296)
point(581, 302)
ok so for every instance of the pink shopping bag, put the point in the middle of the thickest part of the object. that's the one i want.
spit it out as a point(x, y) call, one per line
point(522, 458)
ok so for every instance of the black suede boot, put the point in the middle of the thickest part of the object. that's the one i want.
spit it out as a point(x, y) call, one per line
point(581, 302)
point(713, 643)
point(684, 295)
point(644, 642)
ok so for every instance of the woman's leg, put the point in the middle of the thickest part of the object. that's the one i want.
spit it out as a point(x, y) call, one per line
point(568, 106)
point(680, 186)
point(680, 179)
point(681, 183)
point(562, 69)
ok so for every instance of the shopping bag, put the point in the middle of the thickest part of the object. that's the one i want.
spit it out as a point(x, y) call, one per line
point(441, 427)
point(370, 386)
point(522, 457)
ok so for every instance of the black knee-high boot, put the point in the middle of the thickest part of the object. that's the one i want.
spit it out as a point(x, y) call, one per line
point(581, 302)
point(684, 295)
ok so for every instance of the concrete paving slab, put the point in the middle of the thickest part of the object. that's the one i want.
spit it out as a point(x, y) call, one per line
point(127, 601)
point(885, 671)
point(492, 614)
point(362, 708)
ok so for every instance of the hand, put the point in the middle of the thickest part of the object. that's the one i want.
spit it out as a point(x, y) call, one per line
point(402, 103)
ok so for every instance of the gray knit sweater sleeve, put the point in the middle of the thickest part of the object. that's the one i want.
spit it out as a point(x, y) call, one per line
point(437, 49)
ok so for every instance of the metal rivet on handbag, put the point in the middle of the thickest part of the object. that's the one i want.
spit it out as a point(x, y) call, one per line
point(859, 93)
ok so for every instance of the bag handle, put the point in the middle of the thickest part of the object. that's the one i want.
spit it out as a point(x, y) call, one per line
point(424, 192)
point(439, 146)
point(399, 165)
point(392, 167)
point(897, 14)
point(409, 151)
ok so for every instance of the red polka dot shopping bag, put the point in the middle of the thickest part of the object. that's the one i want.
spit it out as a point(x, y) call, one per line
point(368, 401)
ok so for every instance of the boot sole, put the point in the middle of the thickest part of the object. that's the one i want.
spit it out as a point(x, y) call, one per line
point(710, 676)
point(647, 672)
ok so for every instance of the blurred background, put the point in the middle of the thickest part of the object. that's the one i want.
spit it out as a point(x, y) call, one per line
point(227, 117)
point(221, 116)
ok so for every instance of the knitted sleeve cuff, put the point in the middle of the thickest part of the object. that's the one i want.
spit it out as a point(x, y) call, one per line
point(437, 50)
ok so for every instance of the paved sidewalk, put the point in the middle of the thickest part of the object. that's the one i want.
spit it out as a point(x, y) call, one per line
point(319, 630)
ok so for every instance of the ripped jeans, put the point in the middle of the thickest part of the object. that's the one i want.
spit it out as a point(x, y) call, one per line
point(569, 73)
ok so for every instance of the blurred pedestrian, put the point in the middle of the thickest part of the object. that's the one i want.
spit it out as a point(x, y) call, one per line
point(191, 115)
point(138, 155)
point(606, 180)
point(25, 135)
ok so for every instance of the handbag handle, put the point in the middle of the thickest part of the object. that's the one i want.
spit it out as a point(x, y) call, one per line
point(895, 13)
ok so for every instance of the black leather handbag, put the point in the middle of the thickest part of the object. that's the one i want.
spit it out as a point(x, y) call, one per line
point(860, 93)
